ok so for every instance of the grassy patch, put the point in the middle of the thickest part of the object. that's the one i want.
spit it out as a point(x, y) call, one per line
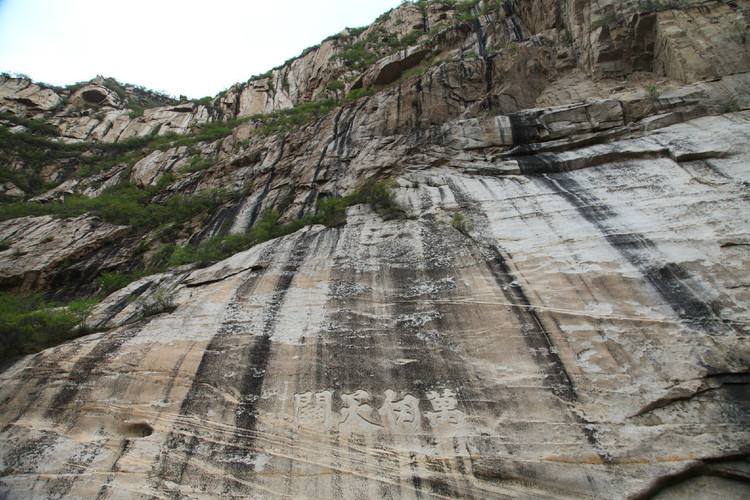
point(124, 205)
point(197, 163)
point(358, 56)
point(34, 126)
point(204, 101)
point(335, 85)
point(112, 281)
point(355, 94)
point(652, 93)
point(330, 212)
point(135, 111)
point(459, 222)
point(286, 120)
point(29, 324)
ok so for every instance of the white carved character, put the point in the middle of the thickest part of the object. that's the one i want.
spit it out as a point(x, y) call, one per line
point(314, 409)
point(358, 415)
point(400, 416)
point(446, 413)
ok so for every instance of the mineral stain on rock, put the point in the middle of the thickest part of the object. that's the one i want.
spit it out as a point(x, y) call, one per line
point(503, 254)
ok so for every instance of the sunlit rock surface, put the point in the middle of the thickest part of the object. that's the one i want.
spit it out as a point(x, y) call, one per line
point(561, 313)
point(580, 334)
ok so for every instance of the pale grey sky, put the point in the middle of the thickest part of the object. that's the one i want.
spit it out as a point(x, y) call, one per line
point(189, 47)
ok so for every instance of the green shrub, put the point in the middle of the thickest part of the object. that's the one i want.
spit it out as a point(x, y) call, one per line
point(204, 101)
point(35, 126)
point(124, 205)
point(161, 301)
point(330, 211)
point(358, 57)
point(286, 120)
point(466, 10)
point(135, 111)
point(112, 281)
point(4, 245)
point(652, 93)
point(459, 222)
point(354, 32)
point(380, 197)
point(335, 85)
point(29, 324)
point(260, 76)
point(197, 163)
point(355, 94)
point(411, 38)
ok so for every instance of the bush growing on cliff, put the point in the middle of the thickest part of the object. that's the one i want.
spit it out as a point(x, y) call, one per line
point(35, 126)
point(652, 93)
point(355, 94)
point(125, 205)
point(135, 111)
point(112, 281)
point(204, 101)
point(29, 324)
point(286, 120)
point(161, 301)
point(335, 85)
point(197, 163)
point(459, 222)
point(379, 195)
point(358, 57)
point(330, 211)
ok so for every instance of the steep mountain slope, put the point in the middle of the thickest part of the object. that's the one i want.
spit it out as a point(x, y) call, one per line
point(477, 249)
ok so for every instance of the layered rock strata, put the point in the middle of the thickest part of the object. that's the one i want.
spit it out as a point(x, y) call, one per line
point(562, 312)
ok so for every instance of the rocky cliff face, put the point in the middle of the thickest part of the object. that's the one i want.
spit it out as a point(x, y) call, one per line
point(557, 306)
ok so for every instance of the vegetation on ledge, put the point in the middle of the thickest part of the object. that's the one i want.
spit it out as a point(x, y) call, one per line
point(29, 324)
point(125, 204)
point(330, 212)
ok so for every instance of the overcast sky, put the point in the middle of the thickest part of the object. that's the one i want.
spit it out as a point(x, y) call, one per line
point(189, 47)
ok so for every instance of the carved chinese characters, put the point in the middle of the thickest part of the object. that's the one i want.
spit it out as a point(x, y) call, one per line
point(358, 415)
point(400, 416)
point(397, 416)
point(445, 415)
point(314, 410)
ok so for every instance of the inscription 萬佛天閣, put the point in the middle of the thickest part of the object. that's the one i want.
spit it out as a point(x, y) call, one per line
point(395, 415)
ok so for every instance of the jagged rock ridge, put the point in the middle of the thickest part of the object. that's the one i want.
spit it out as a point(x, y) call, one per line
point(561, 313)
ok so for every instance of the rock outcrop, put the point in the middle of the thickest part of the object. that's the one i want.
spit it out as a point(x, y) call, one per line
point(37, 246)
point(561, 309)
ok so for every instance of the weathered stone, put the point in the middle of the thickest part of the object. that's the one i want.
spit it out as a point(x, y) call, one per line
point(10, 190)
point(148, 170)
point(561, 313)
point(389, 69)
point(95, 95)
point(19, 93)
point(38, 245)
